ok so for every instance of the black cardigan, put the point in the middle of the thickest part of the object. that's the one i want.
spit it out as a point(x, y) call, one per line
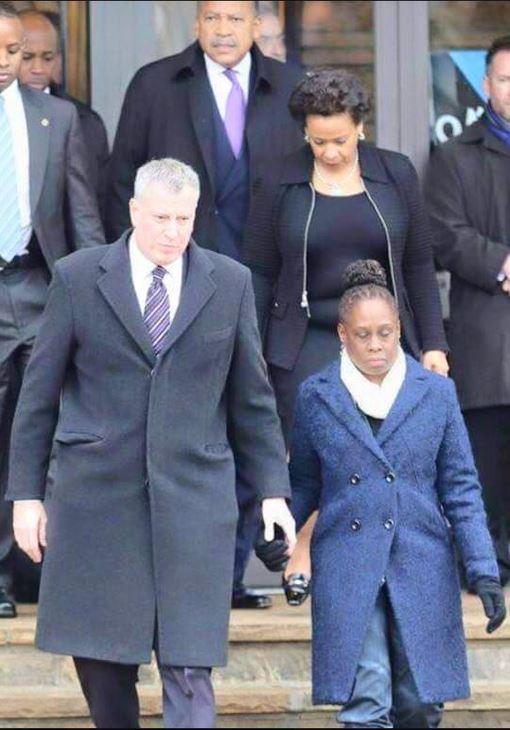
point(277, 261)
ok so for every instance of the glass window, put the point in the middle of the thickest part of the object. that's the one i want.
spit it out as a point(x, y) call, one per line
point(460, 34)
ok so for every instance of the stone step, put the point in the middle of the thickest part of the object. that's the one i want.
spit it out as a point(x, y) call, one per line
point(37, 703)
point(265, 685)
point(265, 646)
point(280, 623)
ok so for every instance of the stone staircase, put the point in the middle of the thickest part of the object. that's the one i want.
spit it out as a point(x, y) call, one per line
point(265, 685)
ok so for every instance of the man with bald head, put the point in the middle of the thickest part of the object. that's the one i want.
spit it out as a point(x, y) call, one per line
point(42, 171)
point(42, 59)
point(221, 107)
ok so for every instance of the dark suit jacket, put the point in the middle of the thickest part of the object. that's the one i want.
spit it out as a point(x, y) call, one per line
point(59, 177)
point(96, 141)
point(167, 112)
point(143, 511)
point(277, 262)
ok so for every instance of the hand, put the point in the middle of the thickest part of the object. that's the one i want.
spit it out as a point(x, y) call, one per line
point(435, 360)
point(505, 270)
point(276, 512)
point(493, 599)
point(29, 523)
point(274, 555)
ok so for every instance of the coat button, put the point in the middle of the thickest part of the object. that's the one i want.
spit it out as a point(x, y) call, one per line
point(355, 479)
point(356, 525)
point(389, 525)
point(390, 477)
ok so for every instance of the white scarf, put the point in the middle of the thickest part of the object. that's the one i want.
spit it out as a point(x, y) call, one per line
point(373, 399)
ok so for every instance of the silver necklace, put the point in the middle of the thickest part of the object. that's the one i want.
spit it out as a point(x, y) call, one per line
point(335, 186)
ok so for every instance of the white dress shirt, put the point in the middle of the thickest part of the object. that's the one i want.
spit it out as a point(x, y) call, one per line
point(222, 86)
point(18, 122)
point(141, 274)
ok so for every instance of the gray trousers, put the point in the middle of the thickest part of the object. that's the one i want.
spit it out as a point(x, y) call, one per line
point(23, 295)
point(110, 691)
point(385, 693)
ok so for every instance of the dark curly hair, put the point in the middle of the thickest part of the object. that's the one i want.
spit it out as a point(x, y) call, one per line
point(329, 91)
point(364, 280)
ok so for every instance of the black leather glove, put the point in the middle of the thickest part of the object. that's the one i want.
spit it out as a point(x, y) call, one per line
point(273, 554)
point(493, 599)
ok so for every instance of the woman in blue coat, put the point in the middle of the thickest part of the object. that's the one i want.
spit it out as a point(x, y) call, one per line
point(380, 449)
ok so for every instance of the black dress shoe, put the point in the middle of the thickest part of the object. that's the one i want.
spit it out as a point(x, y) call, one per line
point(248, 599)
point(297, 588)
point(7, 606)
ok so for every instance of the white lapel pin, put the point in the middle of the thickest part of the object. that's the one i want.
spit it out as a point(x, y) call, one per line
point(45, 122)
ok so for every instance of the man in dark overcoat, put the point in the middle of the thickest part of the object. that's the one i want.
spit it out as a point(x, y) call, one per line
point(221, 107)
point(468, 192)
point(43, 172)
point(148, 374)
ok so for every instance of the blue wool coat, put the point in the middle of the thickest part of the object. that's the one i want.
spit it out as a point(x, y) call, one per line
point(390, 507)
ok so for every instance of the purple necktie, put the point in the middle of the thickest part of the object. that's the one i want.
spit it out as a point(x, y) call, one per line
point(236, 113)
point(157, 309)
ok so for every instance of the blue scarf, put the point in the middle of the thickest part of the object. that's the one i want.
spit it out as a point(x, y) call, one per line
point(498, 126)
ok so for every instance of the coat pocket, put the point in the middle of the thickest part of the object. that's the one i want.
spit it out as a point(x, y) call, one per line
point(218, 335)
point(77, 437)
point(220, 448)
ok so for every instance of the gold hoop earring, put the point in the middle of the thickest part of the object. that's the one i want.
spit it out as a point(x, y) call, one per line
point(361, 136)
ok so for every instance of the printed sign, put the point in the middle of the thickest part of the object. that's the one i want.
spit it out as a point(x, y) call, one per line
point(458, 98)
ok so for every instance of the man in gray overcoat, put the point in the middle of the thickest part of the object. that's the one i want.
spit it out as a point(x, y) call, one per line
point(468, 191)
point(148, 374)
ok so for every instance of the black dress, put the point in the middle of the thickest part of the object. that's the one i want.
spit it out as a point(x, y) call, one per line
point(342, 230)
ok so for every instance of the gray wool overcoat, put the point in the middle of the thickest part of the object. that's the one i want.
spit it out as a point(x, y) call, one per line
point(142, 516)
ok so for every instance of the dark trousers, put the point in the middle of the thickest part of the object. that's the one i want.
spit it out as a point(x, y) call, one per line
point(384, 693)
point(110, 691)
point(248, 526)
point(489, 432)
point(23, 295)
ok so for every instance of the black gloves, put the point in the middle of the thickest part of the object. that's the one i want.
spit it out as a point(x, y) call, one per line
point(273, 554)
point(493, 599)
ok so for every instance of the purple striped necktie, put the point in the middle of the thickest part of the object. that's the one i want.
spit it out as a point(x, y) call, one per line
point(235, 116)
point(157, 309)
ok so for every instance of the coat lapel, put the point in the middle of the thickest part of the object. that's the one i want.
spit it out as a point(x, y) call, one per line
point(116, 286)
point(39, 129)
point(337, 398)
point(200, 100)
point(197, 290)
point(414, 389)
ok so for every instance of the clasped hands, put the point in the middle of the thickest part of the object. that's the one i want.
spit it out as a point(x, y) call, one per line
point(275, 551)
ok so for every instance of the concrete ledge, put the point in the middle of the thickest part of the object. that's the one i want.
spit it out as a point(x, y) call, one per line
point(40, 703)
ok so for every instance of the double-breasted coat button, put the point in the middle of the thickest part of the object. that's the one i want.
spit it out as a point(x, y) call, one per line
point(390, 477)
point(389, 525)
point(356, 525)
point(355, 479)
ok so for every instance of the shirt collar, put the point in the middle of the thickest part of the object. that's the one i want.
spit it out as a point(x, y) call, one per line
point(11, 92)
point(145, 266)
point(243, 68)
